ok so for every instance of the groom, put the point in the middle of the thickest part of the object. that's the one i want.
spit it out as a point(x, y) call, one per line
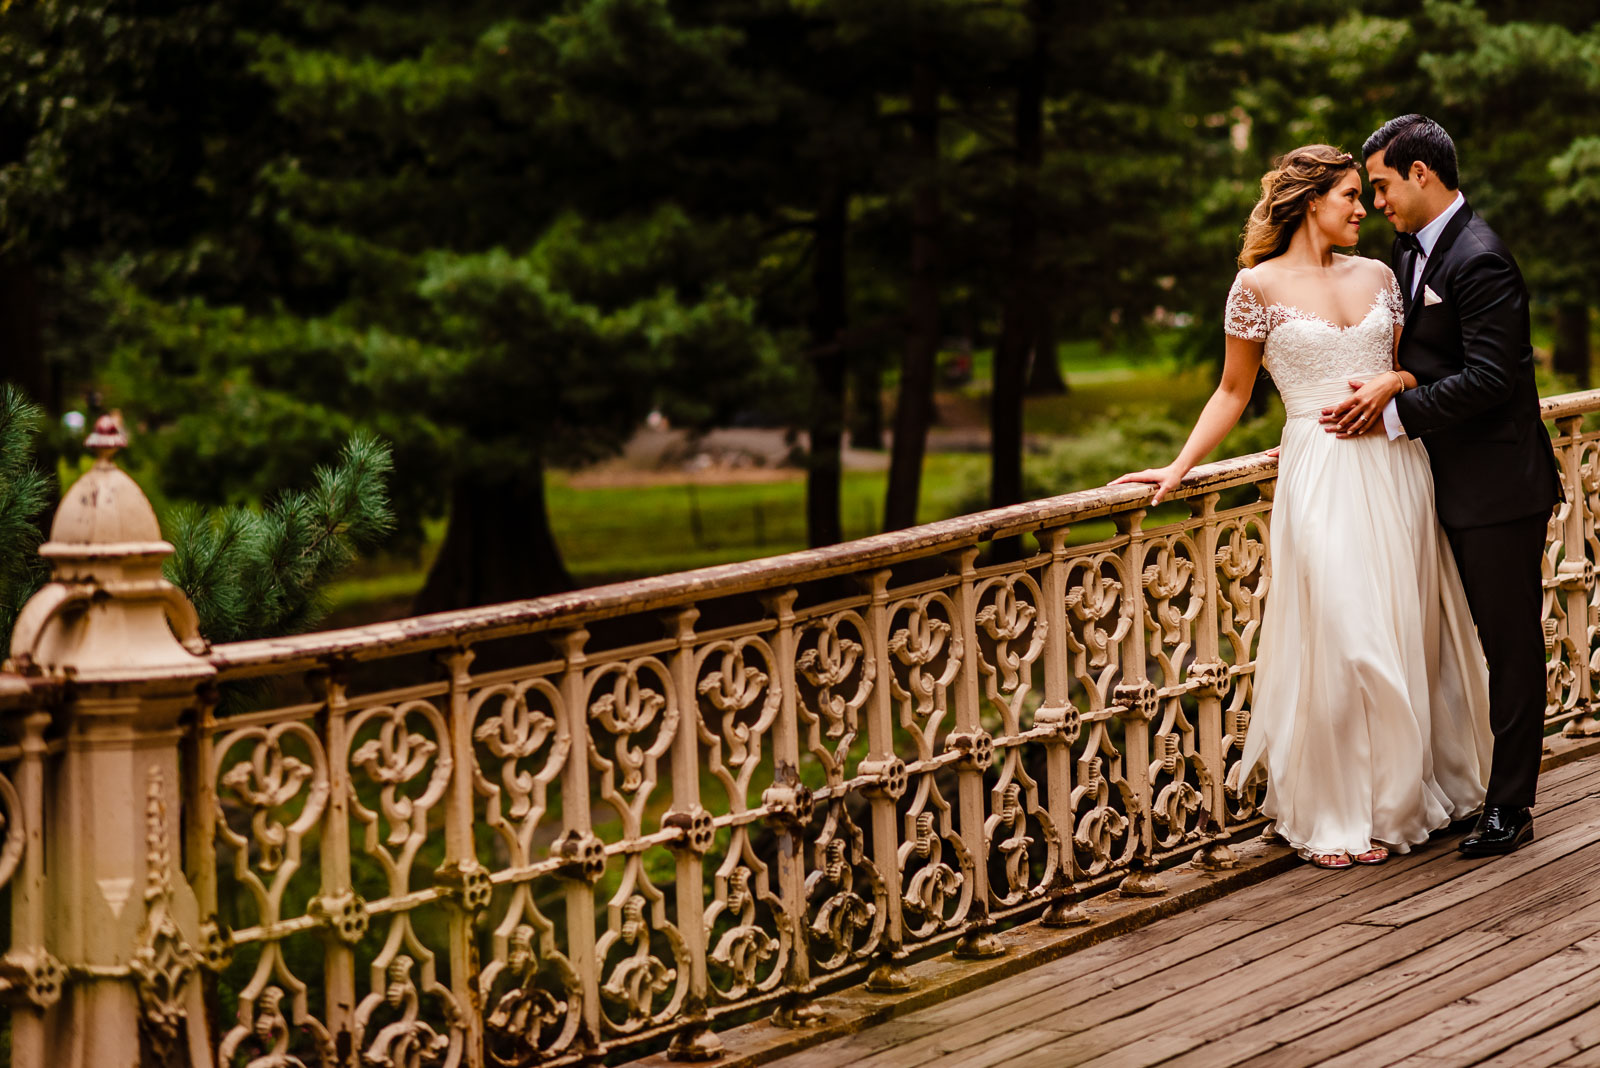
point(1476, 409)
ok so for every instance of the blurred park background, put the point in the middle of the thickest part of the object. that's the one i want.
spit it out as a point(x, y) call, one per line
point(621, 287)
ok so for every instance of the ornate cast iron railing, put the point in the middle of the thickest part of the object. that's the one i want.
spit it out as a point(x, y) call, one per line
point(542, 832)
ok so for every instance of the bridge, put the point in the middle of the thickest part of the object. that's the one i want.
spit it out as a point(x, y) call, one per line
point(950, 795)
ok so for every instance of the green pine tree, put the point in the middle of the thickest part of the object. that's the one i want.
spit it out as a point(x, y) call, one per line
point(257, 574)
point(25, 493)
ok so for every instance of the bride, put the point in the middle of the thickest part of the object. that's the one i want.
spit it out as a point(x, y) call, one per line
point(1371, 702)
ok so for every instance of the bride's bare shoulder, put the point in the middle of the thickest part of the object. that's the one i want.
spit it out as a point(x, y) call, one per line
point(1366, 266)
point(1258, 277)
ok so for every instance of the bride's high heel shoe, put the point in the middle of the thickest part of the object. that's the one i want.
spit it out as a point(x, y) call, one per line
point(1375, 855)
point(1332, 861)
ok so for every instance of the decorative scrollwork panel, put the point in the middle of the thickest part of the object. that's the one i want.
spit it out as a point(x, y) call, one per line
point(846, 898)
point(748, 931)
point(1243, 575)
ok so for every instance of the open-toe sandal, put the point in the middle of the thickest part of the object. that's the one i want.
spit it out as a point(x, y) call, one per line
point(1331, 861)
point(1375, 855)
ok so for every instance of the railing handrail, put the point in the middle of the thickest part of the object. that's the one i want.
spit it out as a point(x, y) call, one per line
point(418, 633)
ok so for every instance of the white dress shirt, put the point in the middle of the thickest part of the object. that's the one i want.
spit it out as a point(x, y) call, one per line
point(1427, 238)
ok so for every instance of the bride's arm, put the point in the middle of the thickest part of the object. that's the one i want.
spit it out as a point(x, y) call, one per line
point(1241, 364)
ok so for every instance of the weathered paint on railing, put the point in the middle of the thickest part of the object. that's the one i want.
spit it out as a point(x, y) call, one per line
point(547, 831)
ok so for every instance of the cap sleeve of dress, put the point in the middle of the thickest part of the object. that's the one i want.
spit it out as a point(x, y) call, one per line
point(1392, 300)
point(1244, 316)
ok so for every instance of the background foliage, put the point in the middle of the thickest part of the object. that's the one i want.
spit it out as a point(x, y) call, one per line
point(498, 236)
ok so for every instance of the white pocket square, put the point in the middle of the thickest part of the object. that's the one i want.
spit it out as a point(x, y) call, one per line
point(1429, 297)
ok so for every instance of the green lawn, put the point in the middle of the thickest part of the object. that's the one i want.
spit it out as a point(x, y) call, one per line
point(613, 533)
point(630, 531)
point(620, 532)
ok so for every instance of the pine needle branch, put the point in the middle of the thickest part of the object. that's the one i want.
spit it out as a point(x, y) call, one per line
point(25, 493)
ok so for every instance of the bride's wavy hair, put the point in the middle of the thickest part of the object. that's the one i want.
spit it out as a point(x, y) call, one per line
point(1286, 191)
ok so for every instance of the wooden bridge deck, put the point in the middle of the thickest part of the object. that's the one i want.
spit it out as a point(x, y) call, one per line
point(1429, 960)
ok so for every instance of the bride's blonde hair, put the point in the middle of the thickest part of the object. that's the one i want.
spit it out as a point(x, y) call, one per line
point(1286, 191)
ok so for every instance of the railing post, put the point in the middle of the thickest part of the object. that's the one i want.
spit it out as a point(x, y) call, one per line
point(582, 853)
point(1208, 681)
point(33, 976)
point(200, 847)
point(338, 908)
point(888, 784)
point(110, 898)
point(695, 1041)
point(790, 803)
point(1057, 711)
point(1575, 577)
point(1135, 697)
point(977, 753)
point(461, 875)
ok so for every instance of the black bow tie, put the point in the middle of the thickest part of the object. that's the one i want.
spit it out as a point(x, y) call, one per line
point(1409, 242)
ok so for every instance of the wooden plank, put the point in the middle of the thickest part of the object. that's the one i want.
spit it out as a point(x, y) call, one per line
point(1471, 1027)
point(1480, 876)
point(1082, 975)
point(1099, 1026)
point(1297, 986)
point(1554, 1045)
point(1499, 1030)
point(1283, 897)
point(859, 1047)
point(1532, 901)
point(997, 1051)
point(1589, 1058)
point(1119, 988)
point(1241, 1039)
point(1577, 880)
point(1372, 1022)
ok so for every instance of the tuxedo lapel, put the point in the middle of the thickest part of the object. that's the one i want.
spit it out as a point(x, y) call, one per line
point(1447, 237)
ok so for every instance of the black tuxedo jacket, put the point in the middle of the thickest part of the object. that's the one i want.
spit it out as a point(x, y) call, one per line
point(1475, 407)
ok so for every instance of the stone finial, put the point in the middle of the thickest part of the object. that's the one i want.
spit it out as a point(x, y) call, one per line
point(105, 514)
point(108, 613)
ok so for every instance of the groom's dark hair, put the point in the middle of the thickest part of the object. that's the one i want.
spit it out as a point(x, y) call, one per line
point(1409, 138)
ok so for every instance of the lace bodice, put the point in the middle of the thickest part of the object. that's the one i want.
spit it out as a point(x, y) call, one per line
point(1306, 352)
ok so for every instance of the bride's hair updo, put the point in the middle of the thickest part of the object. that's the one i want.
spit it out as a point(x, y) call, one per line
point(1286, 191)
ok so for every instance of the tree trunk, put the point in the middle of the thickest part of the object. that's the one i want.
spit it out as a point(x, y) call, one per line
point(1019, 330)
point(866, 404)
point(914, 411)
point(1572, 354)
point(828, 316)
point(497, 547)
point(1044, 373)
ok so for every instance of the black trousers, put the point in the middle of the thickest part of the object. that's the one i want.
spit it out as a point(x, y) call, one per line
point(1500, 568)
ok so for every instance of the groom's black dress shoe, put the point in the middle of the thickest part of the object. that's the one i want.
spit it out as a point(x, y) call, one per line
point(1501, 829)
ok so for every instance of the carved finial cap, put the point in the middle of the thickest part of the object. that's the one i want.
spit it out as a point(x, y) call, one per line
point(105, 512)
point(106, 438)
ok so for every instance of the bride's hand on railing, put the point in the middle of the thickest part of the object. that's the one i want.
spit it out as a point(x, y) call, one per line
point(1166, 480)
point(1362, 411)
point(1275, 451)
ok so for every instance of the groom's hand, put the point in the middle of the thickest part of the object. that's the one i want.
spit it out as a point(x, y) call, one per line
point(1362, 411)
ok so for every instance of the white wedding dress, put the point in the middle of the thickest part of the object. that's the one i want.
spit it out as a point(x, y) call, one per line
point(1371, 700)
